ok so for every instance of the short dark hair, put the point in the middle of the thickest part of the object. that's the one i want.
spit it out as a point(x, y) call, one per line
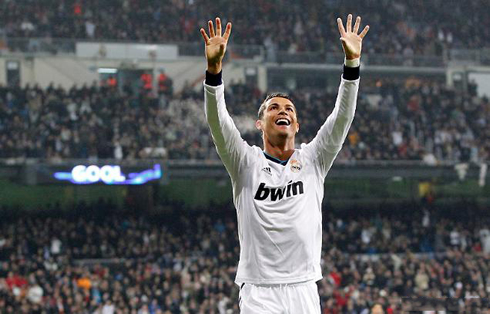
point(270, 96)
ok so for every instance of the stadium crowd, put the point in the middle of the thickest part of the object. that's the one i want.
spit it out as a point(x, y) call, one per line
point(402, 28)
point(101, 260)
point(403, 120)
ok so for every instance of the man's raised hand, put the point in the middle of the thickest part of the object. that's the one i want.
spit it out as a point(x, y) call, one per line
point(215, 45)
point(351, 41)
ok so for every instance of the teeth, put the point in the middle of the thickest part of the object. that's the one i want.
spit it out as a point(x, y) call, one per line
point(282, 120)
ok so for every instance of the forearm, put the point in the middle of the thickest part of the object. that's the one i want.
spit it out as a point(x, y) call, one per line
point(214, 68)
point(216, 113)
point(346, 101)
point(226, 136)
point(215, 109)
point(334, 131)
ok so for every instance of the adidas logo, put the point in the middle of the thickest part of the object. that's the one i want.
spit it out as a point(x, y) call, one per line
point(277, 194)
point(267, 170)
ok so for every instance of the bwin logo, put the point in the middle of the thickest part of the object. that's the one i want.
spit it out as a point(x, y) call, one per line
point(277, 194)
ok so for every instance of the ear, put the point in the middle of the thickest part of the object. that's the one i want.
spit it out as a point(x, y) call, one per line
point(258, 124)
point(297, 127)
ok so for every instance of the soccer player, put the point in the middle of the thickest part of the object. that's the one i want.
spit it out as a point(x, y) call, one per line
point(278, 190)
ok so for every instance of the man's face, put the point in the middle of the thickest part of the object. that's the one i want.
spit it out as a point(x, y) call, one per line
point(279, 119)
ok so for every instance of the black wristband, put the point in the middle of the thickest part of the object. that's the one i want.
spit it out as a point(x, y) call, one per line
point(213, 79)
point(351, 74)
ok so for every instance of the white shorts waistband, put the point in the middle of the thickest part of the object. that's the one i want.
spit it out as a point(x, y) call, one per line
point(276, 285)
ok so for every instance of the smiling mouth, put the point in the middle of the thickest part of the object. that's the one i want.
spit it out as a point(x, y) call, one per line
point(283, 121)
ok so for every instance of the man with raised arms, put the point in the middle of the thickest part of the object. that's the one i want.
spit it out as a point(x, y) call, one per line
point(278, 190)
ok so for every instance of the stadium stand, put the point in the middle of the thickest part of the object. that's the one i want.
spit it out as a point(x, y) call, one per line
point(96, 259)
point(394, 121)
point(103, 259)
point(402, 27)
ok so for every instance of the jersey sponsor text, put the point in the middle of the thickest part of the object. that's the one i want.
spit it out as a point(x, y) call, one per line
point(277, 194)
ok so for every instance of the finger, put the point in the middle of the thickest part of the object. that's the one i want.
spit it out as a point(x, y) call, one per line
point(364, 31)
point(356, 26)
point(218, 27)
point(227, 31)
point(211, 29)
point(204, 36)
point(349, 23)
point(341, 27)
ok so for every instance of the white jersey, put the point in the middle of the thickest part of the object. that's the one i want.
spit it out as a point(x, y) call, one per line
point(279, 204)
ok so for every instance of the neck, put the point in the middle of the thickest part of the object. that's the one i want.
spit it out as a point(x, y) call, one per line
point(282, 149)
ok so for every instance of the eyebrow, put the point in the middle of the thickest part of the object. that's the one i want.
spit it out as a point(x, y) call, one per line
point(277, 104)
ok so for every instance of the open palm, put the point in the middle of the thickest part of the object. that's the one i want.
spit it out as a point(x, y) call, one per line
point(351, 41)
point(215, 44)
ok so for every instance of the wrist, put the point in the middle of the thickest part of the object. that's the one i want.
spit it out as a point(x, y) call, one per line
point(352, 56)
point(214, 68)
point(352, 63)
point(213, 79)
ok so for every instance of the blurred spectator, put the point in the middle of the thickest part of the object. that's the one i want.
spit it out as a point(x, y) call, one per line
point(377, 309)
point(164, 84)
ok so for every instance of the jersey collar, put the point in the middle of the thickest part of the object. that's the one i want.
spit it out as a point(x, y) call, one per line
point(276, 160)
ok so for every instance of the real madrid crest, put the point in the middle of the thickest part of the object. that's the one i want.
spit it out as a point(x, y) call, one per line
point(296, 165)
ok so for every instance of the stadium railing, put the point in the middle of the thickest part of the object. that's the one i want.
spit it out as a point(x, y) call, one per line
point(363, 257)
point(415, 169)
point(257, 53)
point(49, 46)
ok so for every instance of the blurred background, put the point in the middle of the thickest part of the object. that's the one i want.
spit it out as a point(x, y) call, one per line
point(113, 199)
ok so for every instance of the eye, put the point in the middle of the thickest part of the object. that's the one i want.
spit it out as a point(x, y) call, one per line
point(289, 109)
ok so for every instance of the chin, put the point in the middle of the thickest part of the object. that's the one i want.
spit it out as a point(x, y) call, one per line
point(281, 133)
point(285, 135)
